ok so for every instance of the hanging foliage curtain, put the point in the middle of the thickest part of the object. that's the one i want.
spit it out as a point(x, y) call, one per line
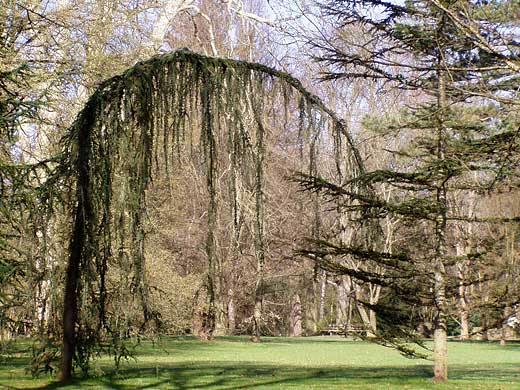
point(138, 125)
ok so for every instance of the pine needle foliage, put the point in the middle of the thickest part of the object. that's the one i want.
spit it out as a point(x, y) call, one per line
point(138, 125)
point(28, 194)
point(462, 65)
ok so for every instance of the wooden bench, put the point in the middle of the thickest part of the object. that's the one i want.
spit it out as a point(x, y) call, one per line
point(341, 330)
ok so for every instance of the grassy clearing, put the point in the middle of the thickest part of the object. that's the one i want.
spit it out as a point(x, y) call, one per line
point(282, 363)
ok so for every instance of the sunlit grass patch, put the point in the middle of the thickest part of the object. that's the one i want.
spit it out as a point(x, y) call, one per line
point(281, 363)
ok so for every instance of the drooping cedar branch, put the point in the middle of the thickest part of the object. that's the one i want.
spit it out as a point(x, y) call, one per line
point(137, 125)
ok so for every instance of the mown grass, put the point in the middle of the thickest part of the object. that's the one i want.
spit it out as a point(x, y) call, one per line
point(282, 363)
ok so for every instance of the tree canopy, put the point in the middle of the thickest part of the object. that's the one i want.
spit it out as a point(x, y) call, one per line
point(159, 107)
point(464, 137)
point(210, 195)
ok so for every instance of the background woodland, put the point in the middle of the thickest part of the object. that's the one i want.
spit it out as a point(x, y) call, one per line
point(430, 244)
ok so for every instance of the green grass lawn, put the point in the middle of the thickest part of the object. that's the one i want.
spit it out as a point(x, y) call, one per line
point(282, 363)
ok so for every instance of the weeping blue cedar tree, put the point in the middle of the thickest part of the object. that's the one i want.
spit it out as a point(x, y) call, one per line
point(175, 104)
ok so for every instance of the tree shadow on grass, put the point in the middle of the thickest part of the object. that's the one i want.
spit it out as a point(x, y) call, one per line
point(179, 345)
point(226, 376)
point(233, 375)
point(229, 376)
point(290, 340)
point(7, 362)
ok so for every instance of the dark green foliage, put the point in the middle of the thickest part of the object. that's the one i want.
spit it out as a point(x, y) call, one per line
point(462, 136)
point(45, 358)
point(28, 193)
point(160, 110)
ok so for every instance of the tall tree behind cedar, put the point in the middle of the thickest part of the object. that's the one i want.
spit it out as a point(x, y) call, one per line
point(24, 199)
point(14, 108)
point(463, 70)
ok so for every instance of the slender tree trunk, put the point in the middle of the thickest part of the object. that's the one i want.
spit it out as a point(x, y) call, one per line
point(212, 216)
point(295, 320)
point(315, 303)
point(462, 248)
point(343, 299)
point(508, 310)
point(231, 312)
point(369, 319)
point(257, 311)
point(70, 301)
point(464, 324)
point(323, 290)
point(259, 228)
point(463, 300)
point(220, 302)
point(367, 316)
point(209, 327)
point(375, 292)
point(76, 255)
point(373, 322)
point(221, 328)
point(440, 338)
point(312, 304)
point(485, 325)
point(210, 315)
point(350, 311)
point(363, 313)
point(503, 333)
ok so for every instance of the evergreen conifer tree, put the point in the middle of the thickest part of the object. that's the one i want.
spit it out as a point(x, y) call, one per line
point(460, 59)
